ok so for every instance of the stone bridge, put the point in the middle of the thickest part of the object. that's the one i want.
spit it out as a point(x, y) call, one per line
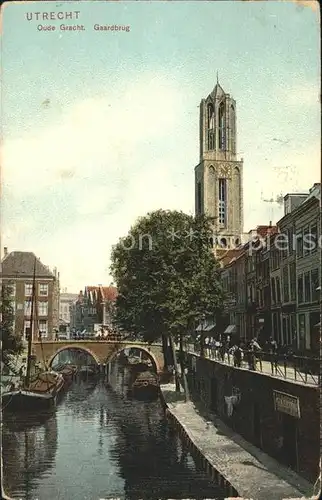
point(103, 351)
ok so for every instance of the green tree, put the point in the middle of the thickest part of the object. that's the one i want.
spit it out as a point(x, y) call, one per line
point(11, 343)
point(167, 276)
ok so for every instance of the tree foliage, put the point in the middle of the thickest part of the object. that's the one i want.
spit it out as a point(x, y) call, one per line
point(166, 274)
point(11, 343)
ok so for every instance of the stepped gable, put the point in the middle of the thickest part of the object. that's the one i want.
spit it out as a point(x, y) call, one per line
point(22, 264)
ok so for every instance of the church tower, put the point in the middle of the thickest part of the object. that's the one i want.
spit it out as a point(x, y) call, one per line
point(219, 175)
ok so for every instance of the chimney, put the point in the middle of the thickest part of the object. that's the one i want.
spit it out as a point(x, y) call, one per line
point(5, 251)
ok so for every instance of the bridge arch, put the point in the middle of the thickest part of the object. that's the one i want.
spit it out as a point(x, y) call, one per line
point(150, 354)
point(101, 351)
point(73, 347)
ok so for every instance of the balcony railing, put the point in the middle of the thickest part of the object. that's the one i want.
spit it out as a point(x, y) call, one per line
point(297, 368)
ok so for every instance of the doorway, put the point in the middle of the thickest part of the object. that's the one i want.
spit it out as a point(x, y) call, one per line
point(289, 430)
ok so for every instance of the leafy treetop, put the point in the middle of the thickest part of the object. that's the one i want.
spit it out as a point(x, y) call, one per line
point(11, 343)
point(166, 274)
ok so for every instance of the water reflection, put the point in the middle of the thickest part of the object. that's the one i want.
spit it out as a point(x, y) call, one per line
point(106, 446)
point(28, 451)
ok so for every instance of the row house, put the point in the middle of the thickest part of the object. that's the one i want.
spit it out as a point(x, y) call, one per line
point(232, 272)
point(76, 314)
point(275, 288)
point(67, 300)
point(307, 228)
point(300, 268)
point(257, 268)
point(94, 307)
point(263, 320)
point(287, 249)
point(17, 271)
point(106, 304)
point(90, 309)
point(273, 283)
point(246, 281)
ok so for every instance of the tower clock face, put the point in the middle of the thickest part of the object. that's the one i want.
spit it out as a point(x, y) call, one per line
point(225, 170)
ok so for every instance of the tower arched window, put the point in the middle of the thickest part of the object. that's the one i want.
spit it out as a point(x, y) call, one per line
point(233, 128)
point(222, 202)
point(221, 126)
point(211, 126)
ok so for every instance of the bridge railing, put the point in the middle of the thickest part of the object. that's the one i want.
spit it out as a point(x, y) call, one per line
point(117, 337)
point(287, 366)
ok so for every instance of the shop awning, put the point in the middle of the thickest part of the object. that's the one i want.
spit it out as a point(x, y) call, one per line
point(206, 326)
point(230, 329)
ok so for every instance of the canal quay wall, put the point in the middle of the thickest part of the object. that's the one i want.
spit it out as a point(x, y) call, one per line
point(231, 462)
point(278, 416)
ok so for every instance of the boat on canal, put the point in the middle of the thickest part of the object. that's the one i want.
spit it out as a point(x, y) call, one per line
point(38, 391)
point(144, 383)
point(40, 394)
point(68, 372)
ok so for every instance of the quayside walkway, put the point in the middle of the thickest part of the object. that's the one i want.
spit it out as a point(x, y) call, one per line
point(280, 369)
point(252, 473)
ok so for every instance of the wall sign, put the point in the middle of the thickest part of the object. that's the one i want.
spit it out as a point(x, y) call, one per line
point(286, 403)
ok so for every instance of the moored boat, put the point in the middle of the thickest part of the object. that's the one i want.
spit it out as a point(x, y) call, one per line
point(40, 394)
point(146, 386)
point(68, 372)
point(143, 383)
point(37, 391)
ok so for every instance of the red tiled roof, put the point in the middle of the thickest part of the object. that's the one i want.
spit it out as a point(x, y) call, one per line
point(92, 288)
point(263, 231)
point(229, 255)
point(109, 292)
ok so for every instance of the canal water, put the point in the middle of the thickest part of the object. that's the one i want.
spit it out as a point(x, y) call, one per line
point(100, 445)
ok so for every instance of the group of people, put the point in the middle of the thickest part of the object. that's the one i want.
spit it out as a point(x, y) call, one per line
point(107, 333)
point(249, 352)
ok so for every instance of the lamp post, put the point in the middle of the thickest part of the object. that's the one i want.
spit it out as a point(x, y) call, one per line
point(202, 338)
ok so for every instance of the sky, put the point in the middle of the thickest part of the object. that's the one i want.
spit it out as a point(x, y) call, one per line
point(101, 127)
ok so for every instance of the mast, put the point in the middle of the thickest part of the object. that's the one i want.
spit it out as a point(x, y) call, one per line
point(27, 380)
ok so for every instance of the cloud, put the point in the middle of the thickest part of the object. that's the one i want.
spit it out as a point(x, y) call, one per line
point(86, 179)
point(72, 189)
point(96, 136)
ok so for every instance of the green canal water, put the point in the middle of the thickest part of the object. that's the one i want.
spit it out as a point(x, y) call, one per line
point(99, 445)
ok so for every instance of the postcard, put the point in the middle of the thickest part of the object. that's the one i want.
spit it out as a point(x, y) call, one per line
point(160, 249)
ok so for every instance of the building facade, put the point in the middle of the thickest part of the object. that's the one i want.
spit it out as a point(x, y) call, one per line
point(94, 308)
point(219, 174)
point(17, 272)
point(273, 284)
point(65, 304)
point(307, 227)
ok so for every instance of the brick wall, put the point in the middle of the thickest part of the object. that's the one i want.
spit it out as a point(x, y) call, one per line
point(292, 441)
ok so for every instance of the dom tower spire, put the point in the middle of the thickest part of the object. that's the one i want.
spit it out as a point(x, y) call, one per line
point(218, 177)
